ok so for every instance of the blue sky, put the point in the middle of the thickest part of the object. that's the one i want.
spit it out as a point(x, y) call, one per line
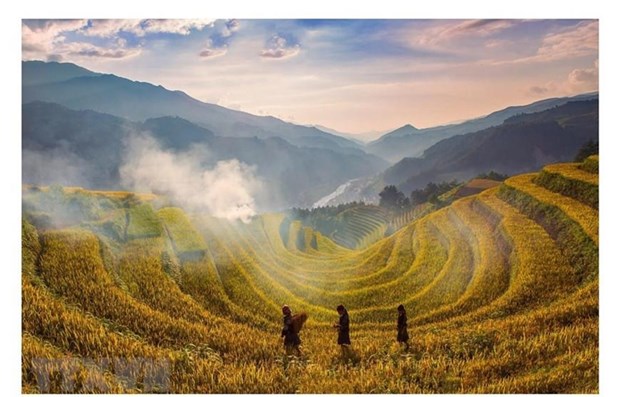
point(350, 75)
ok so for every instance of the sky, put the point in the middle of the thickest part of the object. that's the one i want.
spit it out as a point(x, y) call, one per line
point(352, 75)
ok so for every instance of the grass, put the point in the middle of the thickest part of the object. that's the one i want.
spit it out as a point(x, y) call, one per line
point(185, 239)
point(576, 232)
point(569, 180)
point(501, 290)
point(143, 222)
point(590, 164)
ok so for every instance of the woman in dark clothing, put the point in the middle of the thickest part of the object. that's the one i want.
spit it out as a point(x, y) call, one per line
point(403, 335)
point(291, 338)
point(343, 330)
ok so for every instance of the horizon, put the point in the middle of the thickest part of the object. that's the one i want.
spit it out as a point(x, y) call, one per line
point(379, 74)
point(378, 134)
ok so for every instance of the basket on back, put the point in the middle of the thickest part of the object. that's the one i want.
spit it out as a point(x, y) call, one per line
point(298, 321)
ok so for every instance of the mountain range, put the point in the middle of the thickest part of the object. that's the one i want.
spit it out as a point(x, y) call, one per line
point(76, 123)
point(93, 146)
point(408, 141)
point(79, 89)
point(522, 143)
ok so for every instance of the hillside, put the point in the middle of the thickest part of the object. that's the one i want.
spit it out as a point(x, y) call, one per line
point(501, 291)
point(408, 141)
point(523, 143)
point(88, 148)
point(139, 101)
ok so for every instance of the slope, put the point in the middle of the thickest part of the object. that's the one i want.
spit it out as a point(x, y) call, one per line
point(406, 142)
point(138, 101)
point(501, 290)
point(88, 148)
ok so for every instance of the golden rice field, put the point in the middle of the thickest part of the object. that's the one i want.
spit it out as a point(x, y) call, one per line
point(501, 292)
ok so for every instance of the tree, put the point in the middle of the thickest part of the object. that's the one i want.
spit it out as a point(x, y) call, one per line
point(393, 199)
point(495, 176)
point(588, 149)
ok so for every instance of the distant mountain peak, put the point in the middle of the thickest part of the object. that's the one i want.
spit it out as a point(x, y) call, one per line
point(407, 127)
point(405, 130)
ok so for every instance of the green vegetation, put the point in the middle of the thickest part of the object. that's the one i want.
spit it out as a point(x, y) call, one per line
point(501, 291)
point(588, 149)
point(187, 242)
point(143, 222)
point(432, 192)
point(353, 225)
point(569, 180)
point(590, 165)
point(492, 175)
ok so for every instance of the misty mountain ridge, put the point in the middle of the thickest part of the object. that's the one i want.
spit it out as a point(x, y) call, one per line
point(362, 138)
point(522, 143)
point(39, 72)
point(405, 130)
point(406, 142)
point(88, 148)
point(80, 89)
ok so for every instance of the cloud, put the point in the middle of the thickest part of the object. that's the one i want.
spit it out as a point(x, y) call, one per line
point(47, 39)
point(116, 50)
point(210, 50)
point(176, 26)
point(225, 190)
point(231, 26)
point(539, 90)
point(112, 27)
point(570, 43)
point(575, 41)
point(278, 47)
point(584, 79)
point(445, 33)
point(39, 36)
point(578, 81)
point(141, 27)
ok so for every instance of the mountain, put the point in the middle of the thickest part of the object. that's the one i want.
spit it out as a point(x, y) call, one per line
point(405, 130)
point(411, 142)
point(80, 89)
point(522, 143)
point(38, 72)
point(88, 148)
point(361, 138)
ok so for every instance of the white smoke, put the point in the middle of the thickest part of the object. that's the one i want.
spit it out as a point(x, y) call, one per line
point(226, 190)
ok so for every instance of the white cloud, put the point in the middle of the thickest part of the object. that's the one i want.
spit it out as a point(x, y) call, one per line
point(93, 51)
point(584, 79)
point(175, 26)
point(446, 33)
point(575, 41)
point(278, 48)
point(111, 27)
point(578, 81)
point(140, 27)
point(210, 50)
point(46, 39)
point(39, 36)
point(231, 26)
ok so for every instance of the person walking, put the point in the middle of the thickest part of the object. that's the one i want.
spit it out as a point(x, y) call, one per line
point(343, 331)
point(403, 335)
point(289, 333)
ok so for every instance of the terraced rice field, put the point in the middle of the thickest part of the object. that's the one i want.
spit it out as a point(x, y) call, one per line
point(501, 292)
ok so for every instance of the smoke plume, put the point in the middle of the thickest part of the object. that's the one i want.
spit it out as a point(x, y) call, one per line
point(225, 190)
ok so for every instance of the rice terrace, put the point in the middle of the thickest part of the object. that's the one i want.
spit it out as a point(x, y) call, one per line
point(169, 244)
